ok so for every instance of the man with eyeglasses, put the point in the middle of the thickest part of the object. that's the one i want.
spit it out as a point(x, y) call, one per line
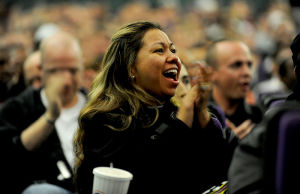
point(37, 127)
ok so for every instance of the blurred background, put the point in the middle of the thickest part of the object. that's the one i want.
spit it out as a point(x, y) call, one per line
point(266, 26)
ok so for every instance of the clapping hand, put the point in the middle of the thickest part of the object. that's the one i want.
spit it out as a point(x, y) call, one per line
point(54, 89)
point(242, 130)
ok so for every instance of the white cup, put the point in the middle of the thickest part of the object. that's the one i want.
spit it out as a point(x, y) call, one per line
point(108, 180)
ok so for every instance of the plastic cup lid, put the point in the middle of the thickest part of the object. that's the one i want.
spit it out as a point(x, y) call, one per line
point(112, 173)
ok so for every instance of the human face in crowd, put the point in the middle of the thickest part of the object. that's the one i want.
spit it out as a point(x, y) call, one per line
point(32, 70)
point(195, 71)
point(232, 75)
point(184, 84)
point(63, 65)
point(157, 66)
point(6, 72)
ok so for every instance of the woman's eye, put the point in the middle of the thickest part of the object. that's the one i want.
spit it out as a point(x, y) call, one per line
point(159, 50)
point(173, 50)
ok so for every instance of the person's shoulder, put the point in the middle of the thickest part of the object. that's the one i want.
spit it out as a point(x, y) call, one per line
point(217, 112)
point(283, 107)
point(100, 118)
point(28, 96)
point(30, 91)
point(272, 117)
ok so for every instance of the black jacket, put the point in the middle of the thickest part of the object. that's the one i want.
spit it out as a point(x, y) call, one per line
point(168, 157)
point(242, 113)
point(252, 169)
point(295, 95)
point(19, 167)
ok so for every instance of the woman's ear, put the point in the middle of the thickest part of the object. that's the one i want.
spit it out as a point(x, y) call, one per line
point(132, 74)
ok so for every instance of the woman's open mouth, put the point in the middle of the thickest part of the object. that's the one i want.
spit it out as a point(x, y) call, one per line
point(171, 74)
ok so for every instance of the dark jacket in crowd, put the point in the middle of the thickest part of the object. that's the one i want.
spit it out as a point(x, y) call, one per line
point(19, 167)
point(252, 168)
point(167, 157)
point(243, 112)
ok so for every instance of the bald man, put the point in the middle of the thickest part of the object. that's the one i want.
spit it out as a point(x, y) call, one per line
point(38, 147)
point(230, 63)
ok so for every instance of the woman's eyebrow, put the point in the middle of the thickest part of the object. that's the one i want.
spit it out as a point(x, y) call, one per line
point(163, 44)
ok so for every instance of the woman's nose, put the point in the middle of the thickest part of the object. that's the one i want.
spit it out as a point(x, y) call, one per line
point(173, 58)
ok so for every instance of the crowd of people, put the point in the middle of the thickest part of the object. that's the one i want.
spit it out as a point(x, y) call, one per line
point(149, 90)
point(192, 27)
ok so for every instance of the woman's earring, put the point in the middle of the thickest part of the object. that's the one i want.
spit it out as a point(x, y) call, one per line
point(132, 77)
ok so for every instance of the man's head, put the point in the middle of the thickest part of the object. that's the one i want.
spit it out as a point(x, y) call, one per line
point(32, 70)
point(6, 72)
point(62, 60)
point(284, 67)
point(230, 62)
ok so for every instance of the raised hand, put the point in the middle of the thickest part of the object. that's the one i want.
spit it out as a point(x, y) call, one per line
point(242, 130)
point(204, 91)
point(54, 89)
point(187, 106)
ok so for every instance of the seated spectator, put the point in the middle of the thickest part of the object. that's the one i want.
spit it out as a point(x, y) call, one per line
point(247, 172)
point(37, 126)
point(89, 74)
point(32, 70)
point(286, 75)
point(184, 85)
point(229, 66)
point(131, 122)
point(17, 55)
point(11, 78)
point(280, 84)
point(5, 73)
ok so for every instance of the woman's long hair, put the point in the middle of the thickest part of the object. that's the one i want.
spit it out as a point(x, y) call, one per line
point(114, 86)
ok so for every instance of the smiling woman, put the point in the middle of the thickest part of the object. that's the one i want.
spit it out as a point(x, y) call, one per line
point(131, 122)
point(157, 65)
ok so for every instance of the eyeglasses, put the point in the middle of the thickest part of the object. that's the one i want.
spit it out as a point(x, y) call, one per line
point(72, 70)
